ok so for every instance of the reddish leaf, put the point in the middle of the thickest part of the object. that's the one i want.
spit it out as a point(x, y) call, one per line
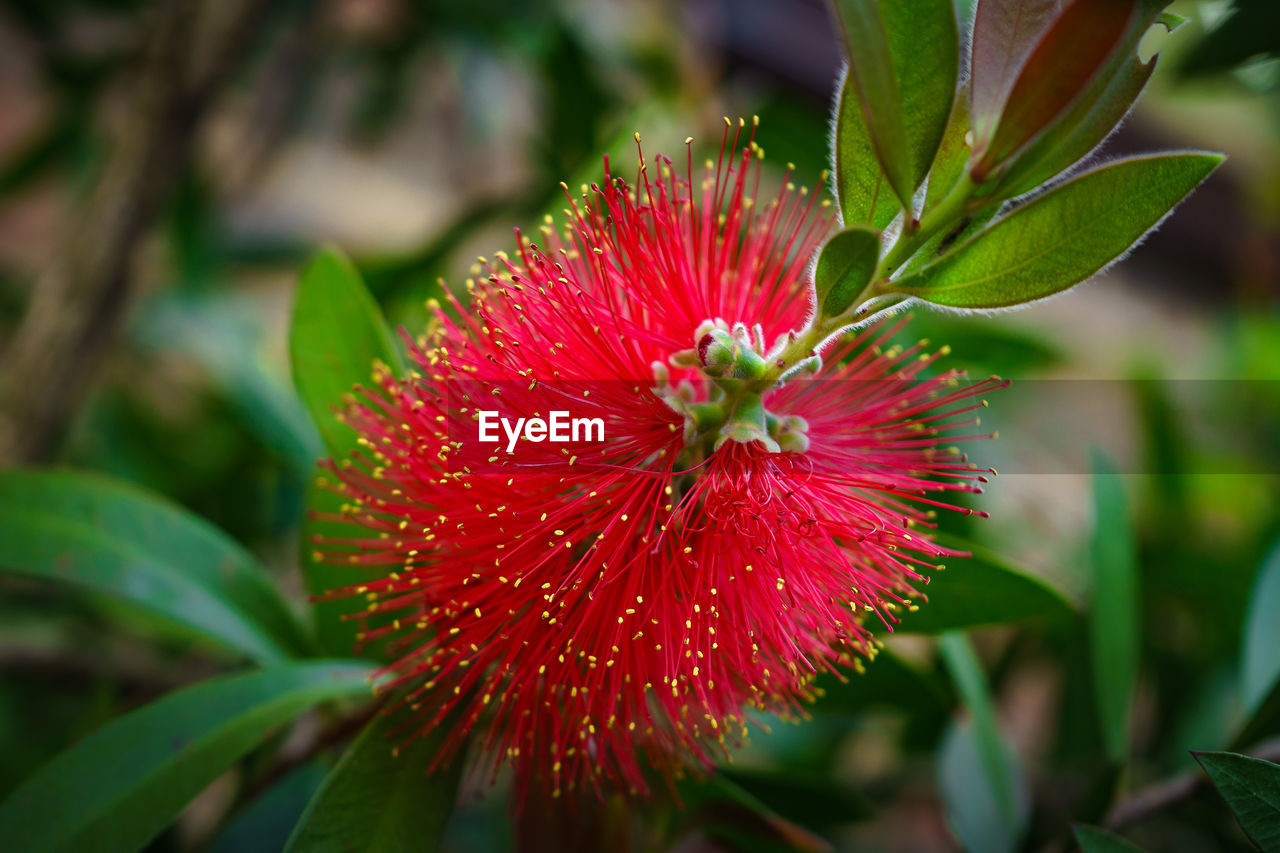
point(1087, 122)
point(1070, 55)
point(1004, 32)
point(1084, 127)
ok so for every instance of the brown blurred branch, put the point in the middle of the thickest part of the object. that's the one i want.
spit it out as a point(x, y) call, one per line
point(1145, 803)
point(192, 48)
point(315, 743)
point(135, 670)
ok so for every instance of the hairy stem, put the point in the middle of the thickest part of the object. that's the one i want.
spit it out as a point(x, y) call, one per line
point(953, 207)
point(1149, 801)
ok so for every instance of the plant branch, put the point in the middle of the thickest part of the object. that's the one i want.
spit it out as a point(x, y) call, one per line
point(1145, 803)
point(77, 305)
point(338, 732)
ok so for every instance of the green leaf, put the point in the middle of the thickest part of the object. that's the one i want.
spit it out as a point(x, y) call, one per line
point(845, 266)
point(1114, 626)
point(889, 680)
point(725, 810)
point(979, 774)
point(123, 542)
point(903, 94)
point(336, 633)
point(925, 49)
point(872, 78)
point(1093, 839)
point(218, 331)
point(1251, 788)
point(377, 800)
point(861, 191)
point(993, 753)
point(982, 590)
point(1061, 238)
point(1079, 81)
point(808, 799)
point(1260, 659)
point(337, 336)
point(953, 152)
point(264, 824)
point(116, 789)
point(972, 810)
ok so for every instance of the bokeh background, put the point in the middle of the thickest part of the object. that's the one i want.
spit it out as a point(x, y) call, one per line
point(165, 169)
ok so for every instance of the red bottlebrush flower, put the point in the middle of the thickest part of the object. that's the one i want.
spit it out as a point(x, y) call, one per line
point(576, 606)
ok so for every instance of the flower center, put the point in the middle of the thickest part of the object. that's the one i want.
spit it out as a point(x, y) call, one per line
point(728, 403)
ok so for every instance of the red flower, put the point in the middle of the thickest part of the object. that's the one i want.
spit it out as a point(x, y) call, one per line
point(575, 604)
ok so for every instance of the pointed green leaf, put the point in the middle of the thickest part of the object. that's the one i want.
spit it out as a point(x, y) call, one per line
point(121, 541)
point(337, 635)
point(845, 266)
point(1061, 238)
point(888, 680)
point(1260, 660)
point(924, 47)
point(1264, 720)
point(376, 799)
point(903, 96)
point(980, 775)
point(338, 334)
point(862, 193)
point(973, 812)
point(263, 824)
point(1004, 33)
point(725, 810)
point(1251, 788)
point(116, 789)
point(966, 672)
point(953, 152)
point(1093, 839)
point(984, 589)
point(871, 74)
point(1069, 109)
point(1113, 618)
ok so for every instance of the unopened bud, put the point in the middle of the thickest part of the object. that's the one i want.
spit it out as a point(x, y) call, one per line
point(723, 355)
point(717, 353)
point(793, 442)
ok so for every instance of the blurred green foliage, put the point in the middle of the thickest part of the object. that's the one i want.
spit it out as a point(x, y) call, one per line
point(198, 406)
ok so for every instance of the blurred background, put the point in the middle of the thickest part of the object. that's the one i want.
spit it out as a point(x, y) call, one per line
point(165, 169)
